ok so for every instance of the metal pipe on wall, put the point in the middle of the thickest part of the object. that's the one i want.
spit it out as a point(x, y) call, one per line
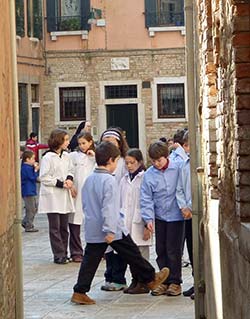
point(195, 156)
point(17, 223)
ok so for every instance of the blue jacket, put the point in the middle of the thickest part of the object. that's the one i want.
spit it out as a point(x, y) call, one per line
point(28, 180)
point(101, 204)
point(158, 189)
point(183, 191)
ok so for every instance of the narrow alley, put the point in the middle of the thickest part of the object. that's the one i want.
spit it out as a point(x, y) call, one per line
point(48, 289)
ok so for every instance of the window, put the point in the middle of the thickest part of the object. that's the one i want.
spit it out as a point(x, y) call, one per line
point(171, 100)
point(120, 91)
point(34, 93)
point(23, 110)
point(20, 18)
point(34, 17)
point(164, 13)
point(72, 103)
point(68, 15)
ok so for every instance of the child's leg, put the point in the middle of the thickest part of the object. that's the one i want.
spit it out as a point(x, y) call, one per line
point(140, 267)
point(56, 242)
point(64, 223)
point(92, 256)
point(161, 243)
point(75, 244)
point(116, 268)
point(189, 239)
point(30, 211)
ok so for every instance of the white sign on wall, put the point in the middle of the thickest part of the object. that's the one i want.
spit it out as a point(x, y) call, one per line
point(119, 64)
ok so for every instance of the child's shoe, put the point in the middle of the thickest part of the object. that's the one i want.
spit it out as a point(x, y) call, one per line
point(131, 286)
point(106, 286)
point(189, 292)
point(31, 230)
point(82, 299)
point(61, 260)
point(160, 277)
point(114, 287)
point(140, 288)
point(173, 290)
point(160, 290)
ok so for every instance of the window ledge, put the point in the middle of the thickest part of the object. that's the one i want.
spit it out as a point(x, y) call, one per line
point(55, 34)
point(152, 30)
point(169, 120)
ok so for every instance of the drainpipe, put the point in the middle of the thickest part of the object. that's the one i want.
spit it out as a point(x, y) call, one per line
point(195, 147)
point(17, 222)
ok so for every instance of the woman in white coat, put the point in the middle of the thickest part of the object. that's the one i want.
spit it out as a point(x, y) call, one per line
point(84, 162)
point(130, 208)
point(56, 177)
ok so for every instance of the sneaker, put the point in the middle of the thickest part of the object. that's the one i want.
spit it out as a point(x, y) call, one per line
point(82, 299)
point(160, 290)
point(106, 286)
point(192, 296)
point(140, 288)
point(61, 260)
point(114, 287)
point(173, 290)
point(160, 277)
point(31, 230)
point(189, 292)
point(131, 286)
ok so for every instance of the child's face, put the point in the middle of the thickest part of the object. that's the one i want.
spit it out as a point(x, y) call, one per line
point(31, 161)
point(160, 162)
point(132, 164)
point(84, 145)
point(65, 144)
point(112, 140)
point(186, 147)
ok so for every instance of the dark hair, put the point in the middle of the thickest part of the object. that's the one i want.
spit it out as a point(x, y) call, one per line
point(105, 151)
point(56, 138)
point(27, 154)
point(33, 134)
point(178, 136)
point(185, 138)
point(157, 150)
point(137, 154)
point(88, 137)
point(163, 139)
point(123, 145)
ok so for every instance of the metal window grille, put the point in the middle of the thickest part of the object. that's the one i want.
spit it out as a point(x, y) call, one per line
point(120, 91)
point(171, 100)
point(72, 104)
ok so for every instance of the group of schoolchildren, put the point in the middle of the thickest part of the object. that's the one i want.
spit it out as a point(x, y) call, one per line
point(107, 189)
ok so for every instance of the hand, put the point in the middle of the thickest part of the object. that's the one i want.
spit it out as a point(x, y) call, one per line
point(146, 234)
point(90, 153)
point(68, 183)
point(109, 238)
point(73, 191)
point(36, 166)
point(186, 213)
point(150, 226)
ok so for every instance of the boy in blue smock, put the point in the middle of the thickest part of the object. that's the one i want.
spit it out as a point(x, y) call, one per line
point(159, 207)
point(104, 226)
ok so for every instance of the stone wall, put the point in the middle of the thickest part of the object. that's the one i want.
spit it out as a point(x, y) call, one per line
point(224, 34)
point(94, 68)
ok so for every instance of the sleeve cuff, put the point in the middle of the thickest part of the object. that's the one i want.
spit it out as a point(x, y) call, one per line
point(59, 184)
point(70, 177)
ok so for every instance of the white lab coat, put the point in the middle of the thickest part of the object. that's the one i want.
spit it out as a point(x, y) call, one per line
point(53, 199)
point(83, 167)
point(130, 208)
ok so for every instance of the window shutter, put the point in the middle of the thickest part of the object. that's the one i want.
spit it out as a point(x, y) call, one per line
point(150, 13)
point(85, 13)
point(51, 15)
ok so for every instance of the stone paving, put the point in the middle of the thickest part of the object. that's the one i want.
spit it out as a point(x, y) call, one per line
point(48, 289)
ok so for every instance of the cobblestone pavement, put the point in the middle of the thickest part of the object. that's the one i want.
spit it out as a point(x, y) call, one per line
point(48, 289)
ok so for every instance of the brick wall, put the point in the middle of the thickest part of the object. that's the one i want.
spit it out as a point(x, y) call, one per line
point(224, 34)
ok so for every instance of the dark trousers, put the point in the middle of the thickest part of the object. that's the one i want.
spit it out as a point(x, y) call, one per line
point(58, 234)
point(188, 236)
point(30, 203)
point(75, 244)
point(115, 268)
point(169, 239)
point(140, 268)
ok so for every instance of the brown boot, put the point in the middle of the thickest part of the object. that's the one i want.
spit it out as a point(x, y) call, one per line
point(131, 286)
point(82, 299)
point(160, 277)
point(140, 288)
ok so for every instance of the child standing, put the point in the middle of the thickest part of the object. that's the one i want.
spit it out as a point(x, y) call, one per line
point(56, 176)
point(159, 206)
point(130, 208)
point(84, 162)
point(29, 174)
point(104, 226)
point(115, 266)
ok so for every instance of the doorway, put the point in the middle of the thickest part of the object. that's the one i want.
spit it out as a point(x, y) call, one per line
point(126, 117)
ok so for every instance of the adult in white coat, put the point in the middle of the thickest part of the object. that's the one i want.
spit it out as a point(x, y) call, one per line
point(84, 162)
point(56, 176)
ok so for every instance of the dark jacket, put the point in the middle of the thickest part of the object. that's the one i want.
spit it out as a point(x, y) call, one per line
point(28, 180)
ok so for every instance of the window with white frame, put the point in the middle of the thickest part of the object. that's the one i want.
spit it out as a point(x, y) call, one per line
point(169, 99)
point(72, 103)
